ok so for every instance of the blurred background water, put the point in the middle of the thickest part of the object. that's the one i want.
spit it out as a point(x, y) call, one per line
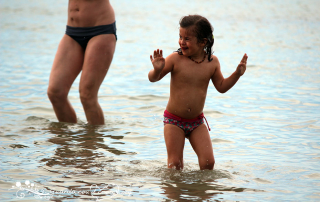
point(265, 130)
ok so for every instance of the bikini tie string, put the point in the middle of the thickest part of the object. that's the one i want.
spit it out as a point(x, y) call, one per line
point(207, 123)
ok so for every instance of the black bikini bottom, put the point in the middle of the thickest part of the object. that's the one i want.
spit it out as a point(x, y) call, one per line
point(82, 35)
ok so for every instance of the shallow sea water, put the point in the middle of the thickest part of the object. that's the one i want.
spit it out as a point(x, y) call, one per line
point(265, 130)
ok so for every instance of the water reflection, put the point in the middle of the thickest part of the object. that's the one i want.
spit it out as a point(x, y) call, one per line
point(199, 190)
point(185, 192)
point(81, 147)
point(196, 185)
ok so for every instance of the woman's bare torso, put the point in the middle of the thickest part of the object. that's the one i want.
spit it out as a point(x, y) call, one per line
point(90, 13)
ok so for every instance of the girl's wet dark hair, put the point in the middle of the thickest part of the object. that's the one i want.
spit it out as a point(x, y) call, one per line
point(202, 28)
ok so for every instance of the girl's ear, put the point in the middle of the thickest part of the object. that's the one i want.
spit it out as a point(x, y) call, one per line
point(205, 41)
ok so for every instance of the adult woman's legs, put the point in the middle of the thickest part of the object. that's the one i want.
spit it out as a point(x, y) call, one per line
point(97, 60)
point(66, 67)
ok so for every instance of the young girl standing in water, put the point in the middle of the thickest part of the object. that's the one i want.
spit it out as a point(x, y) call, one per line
point(191, 67)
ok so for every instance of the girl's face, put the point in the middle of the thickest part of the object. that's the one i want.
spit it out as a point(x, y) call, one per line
point(189, 43)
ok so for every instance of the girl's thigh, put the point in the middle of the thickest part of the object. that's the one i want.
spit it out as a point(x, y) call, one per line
point(201, 143)
point(175, 139)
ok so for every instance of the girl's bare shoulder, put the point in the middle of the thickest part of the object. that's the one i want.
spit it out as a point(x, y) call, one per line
point(214, 58)
point(214, 61)
point(174, 57)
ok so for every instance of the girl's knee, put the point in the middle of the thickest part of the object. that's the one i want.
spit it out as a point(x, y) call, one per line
point(175, 163)
point(207, 163)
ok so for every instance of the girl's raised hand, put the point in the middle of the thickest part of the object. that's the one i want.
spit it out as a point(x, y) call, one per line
point(242, 65)
point(157, 60)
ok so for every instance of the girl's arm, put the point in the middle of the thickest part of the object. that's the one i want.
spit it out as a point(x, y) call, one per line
point(161, 66)
point(223, 85)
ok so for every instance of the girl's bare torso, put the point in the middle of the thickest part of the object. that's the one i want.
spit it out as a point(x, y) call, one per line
point(188, 87)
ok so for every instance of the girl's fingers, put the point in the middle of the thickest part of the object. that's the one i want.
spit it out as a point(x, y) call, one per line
point(244, 59)
point(151, 58)
point(157, 53)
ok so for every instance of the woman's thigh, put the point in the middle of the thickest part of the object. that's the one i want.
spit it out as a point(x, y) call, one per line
point(67, 65)
point(97, 60)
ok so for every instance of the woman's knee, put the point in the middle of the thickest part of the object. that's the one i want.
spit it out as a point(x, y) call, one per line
point(87, 97)
point(56, 95)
